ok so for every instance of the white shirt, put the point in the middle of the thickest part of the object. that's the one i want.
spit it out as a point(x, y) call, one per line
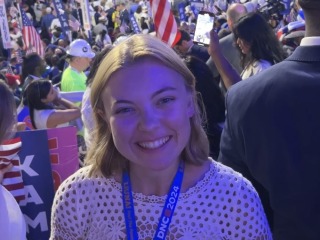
point(41, 118)
point(310, 41)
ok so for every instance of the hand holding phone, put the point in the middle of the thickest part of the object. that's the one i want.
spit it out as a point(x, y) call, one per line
point(214, 43)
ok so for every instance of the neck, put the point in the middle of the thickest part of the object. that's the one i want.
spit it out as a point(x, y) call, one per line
point(75, 67)
point(149, 182)
point(312, 24)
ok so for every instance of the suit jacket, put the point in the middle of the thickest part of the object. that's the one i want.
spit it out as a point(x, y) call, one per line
point(200, 52)
point(272, 136)
point(124, 17)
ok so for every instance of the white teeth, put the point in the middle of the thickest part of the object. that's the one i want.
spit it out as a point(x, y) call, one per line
point(154, 144)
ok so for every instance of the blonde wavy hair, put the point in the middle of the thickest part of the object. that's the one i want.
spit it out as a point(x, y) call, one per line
point(7, 111)
point(103, 154)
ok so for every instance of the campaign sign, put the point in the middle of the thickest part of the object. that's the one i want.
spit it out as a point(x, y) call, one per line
point(37, 179)
point(63, 150)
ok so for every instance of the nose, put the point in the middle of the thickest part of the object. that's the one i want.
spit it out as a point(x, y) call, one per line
point(148, 120)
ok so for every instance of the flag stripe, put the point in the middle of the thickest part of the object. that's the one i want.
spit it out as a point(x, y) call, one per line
point(20, 197)
point(8, 153)
point(14, 186)
point(11, 175)
point(165, 24)
point(12, 180)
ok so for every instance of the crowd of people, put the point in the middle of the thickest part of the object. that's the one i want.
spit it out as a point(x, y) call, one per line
point(184, 141)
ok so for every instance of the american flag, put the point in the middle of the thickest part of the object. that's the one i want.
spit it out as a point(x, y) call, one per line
point(165, 24)
point(30, 35)
point(12, 180)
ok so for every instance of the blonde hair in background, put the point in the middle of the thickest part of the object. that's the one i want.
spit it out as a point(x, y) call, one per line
point(104, 156)
point(7, 111)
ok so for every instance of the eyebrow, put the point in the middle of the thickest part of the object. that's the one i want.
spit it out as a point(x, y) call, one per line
point(152, 96)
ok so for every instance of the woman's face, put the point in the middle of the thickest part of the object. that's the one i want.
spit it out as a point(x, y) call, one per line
point(52, 95)
point(148, 110)
point(243, 45)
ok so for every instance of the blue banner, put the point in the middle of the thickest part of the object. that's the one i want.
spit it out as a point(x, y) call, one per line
point(287, 6)
point(135, 25)
point(38, 182)
point(182, 14)
point(63, 19)
point(195, 10)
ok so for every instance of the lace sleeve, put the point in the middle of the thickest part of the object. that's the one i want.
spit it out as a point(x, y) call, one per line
point(248, 218)
point(68, 220)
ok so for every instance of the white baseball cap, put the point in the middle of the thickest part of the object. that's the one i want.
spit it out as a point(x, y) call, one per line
point(80, 48)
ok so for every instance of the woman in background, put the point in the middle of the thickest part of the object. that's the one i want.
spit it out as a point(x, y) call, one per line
point(103, 39)
point(258, 46)
point(47, 108)
point(33, 66)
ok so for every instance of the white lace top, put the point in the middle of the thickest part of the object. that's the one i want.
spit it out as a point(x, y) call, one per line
point(223, 205)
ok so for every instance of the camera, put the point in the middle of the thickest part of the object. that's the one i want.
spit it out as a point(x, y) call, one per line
point(272, 7)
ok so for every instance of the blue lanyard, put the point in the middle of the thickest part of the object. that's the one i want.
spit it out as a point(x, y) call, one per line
point(167, 212)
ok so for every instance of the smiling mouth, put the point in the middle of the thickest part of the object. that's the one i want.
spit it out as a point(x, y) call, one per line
point(154, 144)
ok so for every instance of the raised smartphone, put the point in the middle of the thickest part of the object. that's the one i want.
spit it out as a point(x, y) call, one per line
point(205, 22)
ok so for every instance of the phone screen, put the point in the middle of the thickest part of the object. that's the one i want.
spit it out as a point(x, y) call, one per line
point(204, 25)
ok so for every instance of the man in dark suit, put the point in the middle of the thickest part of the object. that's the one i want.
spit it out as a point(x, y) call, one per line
point(77, 13)
point(125, 17)
point(272, 135)
point(185, 46)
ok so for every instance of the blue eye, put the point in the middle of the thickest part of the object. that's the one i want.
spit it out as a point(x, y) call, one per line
point(124, 110)
point(166, 100)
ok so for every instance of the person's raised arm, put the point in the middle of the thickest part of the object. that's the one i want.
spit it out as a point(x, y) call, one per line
point(70, 112)
point(228, 74)
point(64, 103)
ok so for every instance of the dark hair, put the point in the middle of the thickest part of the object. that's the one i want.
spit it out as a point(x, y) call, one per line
point(139, 9)
point(46, 41)
point(47, 58)
point(103, 34)
point(209, 95)
point(34, 93)
point(30, 62)
point(184, 35)
point(255, 30)
point(96, 62)
point(55, 60)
